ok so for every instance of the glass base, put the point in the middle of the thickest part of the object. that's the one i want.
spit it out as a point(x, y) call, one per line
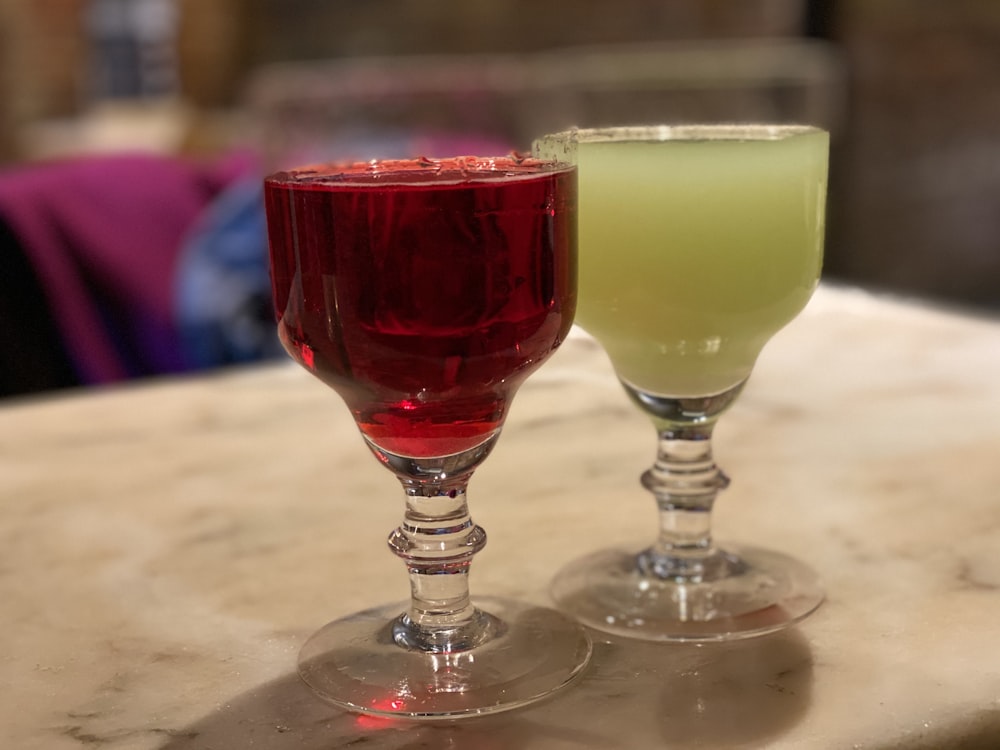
point(356, 664)
point(763, 592)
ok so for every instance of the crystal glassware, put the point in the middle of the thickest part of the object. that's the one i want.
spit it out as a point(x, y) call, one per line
point(697, 244)
point(424, 292)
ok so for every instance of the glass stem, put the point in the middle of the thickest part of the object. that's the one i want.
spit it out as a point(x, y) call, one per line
point(437, 540)
point(685, 481)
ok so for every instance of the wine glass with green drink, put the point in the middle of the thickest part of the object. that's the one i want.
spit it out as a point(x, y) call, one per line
point(697, 244)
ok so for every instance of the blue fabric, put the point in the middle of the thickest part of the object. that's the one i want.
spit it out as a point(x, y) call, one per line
point(223, 289)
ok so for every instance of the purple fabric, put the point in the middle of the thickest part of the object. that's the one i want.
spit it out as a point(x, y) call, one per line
point(103, 235)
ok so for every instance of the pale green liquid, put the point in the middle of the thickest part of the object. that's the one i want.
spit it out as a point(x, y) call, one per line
point(694, 253)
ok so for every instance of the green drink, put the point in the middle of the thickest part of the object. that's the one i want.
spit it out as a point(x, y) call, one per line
point(696, 245)
point(695, 249)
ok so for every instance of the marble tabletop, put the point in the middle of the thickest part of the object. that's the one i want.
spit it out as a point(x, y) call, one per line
point(165, 547)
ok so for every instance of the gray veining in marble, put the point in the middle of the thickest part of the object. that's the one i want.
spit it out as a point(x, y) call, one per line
point(164, 549)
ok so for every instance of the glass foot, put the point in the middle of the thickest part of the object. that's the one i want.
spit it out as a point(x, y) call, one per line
point(763, 592)
point(356, 664)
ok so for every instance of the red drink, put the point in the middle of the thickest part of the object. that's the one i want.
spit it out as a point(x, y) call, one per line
point(424, 291)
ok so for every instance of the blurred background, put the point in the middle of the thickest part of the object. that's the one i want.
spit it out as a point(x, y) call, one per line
point(134, 133)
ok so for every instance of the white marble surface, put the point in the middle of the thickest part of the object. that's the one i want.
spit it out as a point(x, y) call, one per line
point(165, 548)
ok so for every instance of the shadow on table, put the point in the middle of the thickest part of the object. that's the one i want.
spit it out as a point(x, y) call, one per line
point(634, 694)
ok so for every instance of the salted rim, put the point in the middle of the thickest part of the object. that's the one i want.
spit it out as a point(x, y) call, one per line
point(686, 132)
point(456, 170)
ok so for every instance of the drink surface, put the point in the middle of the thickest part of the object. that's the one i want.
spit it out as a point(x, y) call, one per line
point(424, 292)
point(695, 251)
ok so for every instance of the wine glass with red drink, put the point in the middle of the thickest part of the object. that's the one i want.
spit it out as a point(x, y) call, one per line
point(424, 292)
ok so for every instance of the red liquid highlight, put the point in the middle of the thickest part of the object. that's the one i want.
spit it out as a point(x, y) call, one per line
point(424, 292)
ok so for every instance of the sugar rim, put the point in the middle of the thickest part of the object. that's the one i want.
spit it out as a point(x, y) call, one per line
point(421, 170)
